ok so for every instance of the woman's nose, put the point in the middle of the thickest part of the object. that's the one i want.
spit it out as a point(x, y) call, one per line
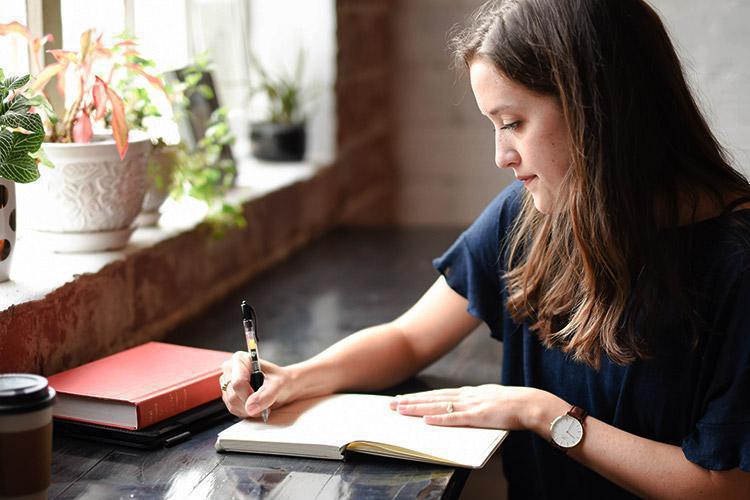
point(506, 157)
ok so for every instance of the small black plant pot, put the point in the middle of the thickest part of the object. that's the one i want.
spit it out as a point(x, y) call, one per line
point(278, 142)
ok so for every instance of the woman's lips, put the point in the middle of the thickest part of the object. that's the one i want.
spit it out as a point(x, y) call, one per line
point(527, 179)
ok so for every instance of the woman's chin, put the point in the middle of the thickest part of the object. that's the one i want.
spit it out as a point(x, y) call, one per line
point(541, 204)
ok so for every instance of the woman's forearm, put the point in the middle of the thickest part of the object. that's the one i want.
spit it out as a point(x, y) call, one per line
point(371, 359)
point(644, 467)
point(382, 356)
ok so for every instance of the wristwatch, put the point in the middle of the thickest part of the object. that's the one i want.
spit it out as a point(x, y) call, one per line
point(566, 431)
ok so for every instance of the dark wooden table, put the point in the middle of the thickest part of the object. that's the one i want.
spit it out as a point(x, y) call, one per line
point(348, 280)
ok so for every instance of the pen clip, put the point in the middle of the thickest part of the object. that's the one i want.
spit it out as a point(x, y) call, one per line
point(248, 309)
point(255, 324)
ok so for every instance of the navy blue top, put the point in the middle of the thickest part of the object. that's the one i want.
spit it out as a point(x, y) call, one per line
point(698, 399)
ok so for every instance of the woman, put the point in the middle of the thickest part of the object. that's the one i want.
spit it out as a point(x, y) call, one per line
point(616, 272)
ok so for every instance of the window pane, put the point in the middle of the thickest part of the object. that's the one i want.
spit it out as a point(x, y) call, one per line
point(106, 16)
point(162, 37)
point(220, 27)
point(13, 49)
point(278, 30)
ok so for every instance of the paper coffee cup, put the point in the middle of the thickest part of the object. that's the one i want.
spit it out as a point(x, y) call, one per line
point(25, 436)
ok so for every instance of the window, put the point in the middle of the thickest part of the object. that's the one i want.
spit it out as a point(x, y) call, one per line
point(173, 32)
point(13, 56)
point(220, 28)
point(106, 16)
point(162, 38)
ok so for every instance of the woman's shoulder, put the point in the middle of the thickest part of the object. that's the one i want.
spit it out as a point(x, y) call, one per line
point(510, 199)
point(720, 263)
point(483, 238)
point(503, 209)
point(727, 238)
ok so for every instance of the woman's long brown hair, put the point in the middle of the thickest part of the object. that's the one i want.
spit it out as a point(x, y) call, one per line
point(591, 276)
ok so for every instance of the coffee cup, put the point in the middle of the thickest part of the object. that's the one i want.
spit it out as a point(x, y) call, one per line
point(25, 436)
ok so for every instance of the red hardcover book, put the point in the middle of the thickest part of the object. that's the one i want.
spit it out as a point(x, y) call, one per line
point(140, 386)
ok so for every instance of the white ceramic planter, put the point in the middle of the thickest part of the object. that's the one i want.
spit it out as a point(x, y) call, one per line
point(7, 226)
point(89, 201)
point(161, 165)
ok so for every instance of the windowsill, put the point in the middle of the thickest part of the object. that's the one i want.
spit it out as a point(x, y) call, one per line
point(37, 271)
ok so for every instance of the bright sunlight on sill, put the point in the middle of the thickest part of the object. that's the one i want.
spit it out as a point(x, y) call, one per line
point(37, 271)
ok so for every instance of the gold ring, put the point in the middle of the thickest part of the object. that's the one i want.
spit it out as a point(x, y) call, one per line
point(224, 385)
point(449, 408)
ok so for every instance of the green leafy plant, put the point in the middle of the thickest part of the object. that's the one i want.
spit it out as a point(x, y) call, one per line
point(128, 81)
point(285, 94)
point(192, 81)
point(21, 131)
point(206, 175)
point(203, 173)
point(147, 99)
point(147, 96)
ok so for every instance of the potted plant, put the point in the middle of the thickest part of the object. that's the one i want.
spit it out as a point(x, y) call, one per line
point(89, 201)
point(280, 136)
point(21, 135)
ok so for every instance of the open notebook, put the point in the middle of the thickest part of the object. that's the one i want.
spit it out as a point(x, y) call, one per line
point(327, 426)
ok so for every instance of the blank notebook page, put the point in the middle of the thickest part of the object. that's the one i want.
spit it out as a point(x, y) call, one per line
point(345, 418)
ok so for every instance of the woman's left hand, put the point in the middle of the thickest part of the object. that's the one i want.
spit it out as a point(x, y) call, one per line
point(491, 406)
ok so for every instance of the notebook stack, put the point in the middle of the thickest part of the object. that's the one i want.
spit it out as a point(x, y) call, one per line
point(148, 396)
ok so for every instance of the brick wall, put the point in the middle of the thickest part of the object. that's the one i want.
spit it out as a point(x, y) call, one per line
point(443, 146)
point(363, 102)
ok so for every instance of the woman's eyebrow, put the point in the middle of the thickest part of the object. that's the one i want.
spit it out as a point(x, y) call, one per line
point(498, 109)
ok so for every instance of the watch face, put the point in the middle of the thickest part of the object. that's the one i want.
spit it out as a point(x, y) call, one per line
point(566, 431)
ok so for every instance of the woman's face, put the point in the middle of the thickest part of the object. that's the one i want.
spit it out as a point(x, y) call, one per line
point(530, 133)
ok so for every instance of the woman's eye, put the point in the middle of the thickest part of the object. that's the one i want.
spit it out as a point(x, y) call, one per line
point(510, 126)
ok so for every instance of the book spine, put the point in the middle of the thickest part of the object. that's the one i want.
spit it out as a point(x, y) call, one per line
point(168, 404)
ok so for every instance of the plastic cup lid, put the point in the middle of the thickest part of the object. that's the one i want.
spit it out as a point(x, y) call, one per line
point(24, 392)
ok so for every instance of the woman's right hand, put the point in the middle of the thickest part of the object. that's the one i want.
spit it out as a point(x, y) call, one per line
point(240, 398)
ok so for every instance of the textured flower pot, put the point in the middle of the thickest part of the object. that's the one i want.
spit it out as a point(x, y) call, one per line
point(161, 167)
point(89, 201)
point(7, 226)
point(278, 142)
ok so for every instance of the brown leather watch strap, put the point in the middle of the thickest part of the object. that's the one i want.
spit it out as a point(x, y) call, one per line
point(578, 413)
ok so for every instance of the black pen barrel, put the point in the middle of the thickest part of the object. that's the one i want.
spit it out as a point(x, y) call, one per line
point(256, 380)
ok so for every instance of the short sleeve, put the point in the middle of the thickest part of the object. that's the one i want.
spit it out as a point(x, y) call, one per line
point(720, 439)
point(473, 266)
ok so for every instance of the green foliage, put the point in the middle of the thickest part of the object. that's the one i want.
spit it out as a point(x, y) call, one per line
point(192, 77)
point(131, 70)
point(284, 94)
point(21, 131)
point(205, 175)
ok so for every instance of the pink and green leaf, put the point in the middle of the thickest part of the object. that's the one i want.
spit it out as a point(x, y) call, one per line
point(153, 80)
point(38, 43)
point(119, 125)
point(85, 46)
point(46, 75)
point(64, 56)
point(99, 92)
point(60, 86)
point(82, 129)
point(17, 28)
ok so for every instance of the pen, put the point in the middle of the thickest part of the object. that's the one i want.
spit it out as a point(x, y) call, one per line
point(250, 323)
